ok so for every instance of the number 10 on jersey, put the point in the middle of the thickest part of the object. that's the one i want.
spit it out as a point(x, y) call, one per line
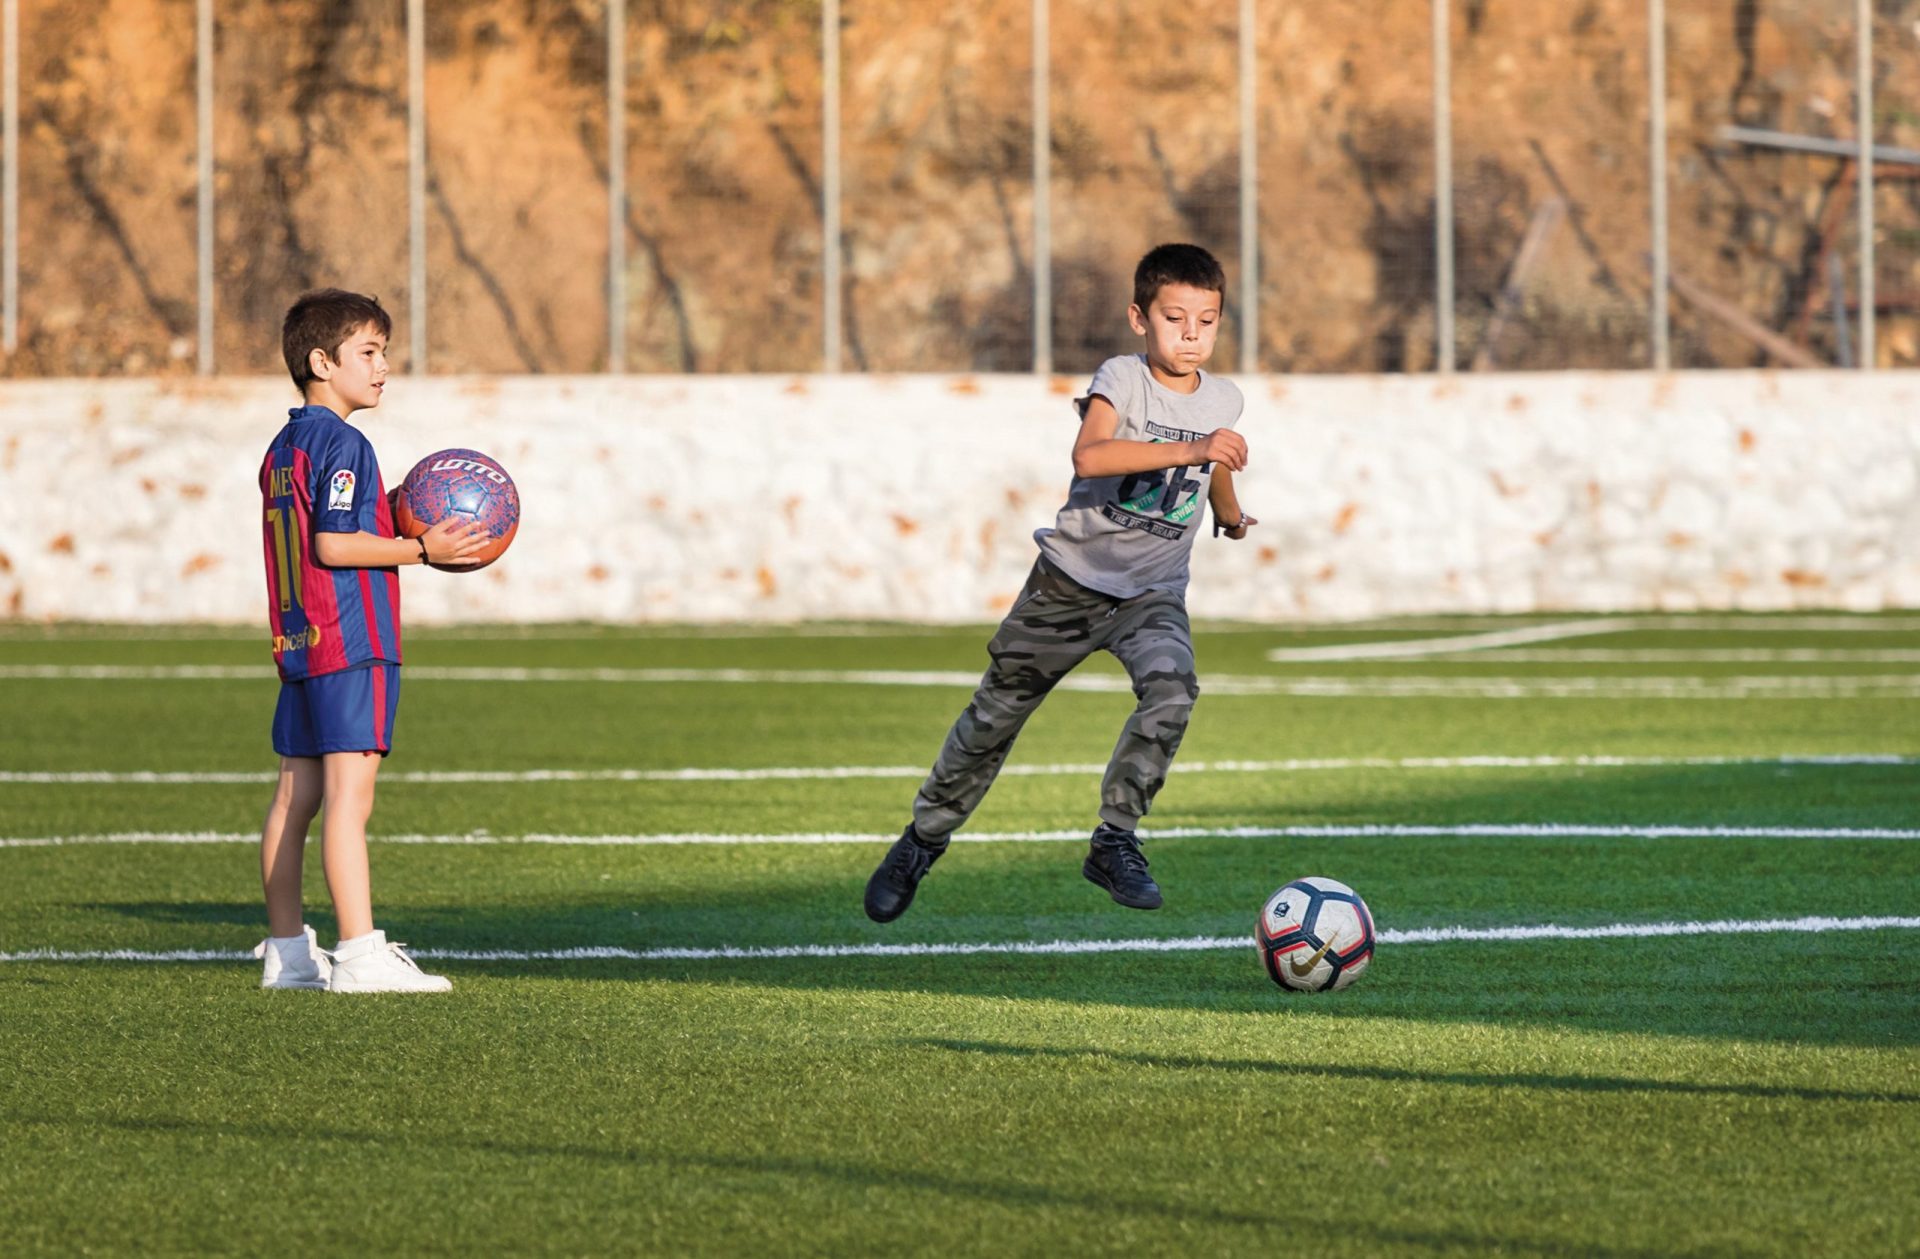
point(286, 555)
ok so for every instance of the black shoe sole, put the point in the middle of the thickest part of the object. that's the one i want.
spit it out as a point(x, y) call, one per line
point(1098, 877)
point(887, 907)
point(881, 915)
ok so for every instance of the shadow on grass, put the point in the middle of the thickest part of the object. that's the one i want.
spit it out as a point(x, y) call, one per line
point(1853, 991)
point(1832, 988)
point(1129, 1201)
point(1399, 1075)
point(250, 914)
point(1838, 988)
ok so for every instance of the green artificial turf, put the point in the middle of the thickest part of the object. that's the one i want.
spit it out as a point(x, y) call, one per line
point(1730, 1094)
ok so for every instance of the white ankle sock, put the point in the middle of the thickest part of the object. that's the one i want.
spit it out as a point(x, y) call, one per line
point(290, 945)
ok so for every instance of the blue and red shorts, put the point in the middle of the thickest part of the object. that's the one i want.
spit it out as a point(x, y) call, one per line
point(349, 711)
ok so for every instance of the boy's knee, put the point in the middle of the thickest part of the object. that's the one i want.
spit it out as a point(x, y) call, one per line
point(297, 797)
point(350, 784)
point(351, 796)
point(1168, 689)
point(1167, 673)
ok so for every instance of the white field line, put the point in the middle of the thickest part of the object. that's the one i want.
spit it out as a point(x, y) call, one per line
point(1836, 686)
point(1802, 687)
point(149, 778)
point(1491, 641)
point(773, 633)
point(1683, 655)
point(1186, 944)
point(1755, 623)
point(503, 633)
point(1404, 648)
point(1493, 830)
point(428, 673)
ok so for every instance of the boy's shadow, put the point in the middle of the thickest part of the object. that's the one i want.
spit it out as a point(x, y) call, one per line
point(249, 914)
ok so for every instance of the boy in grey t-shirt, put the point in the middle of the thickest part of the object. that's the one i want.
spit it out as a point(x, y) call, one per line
point(1154, 432)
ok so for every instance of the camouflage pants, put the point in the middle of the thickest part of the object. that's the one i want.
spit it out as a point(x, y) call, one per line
point(1054, 625)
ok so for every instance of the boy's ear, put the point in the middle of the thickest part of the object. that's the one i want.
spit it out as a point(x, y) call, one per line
point(1137, 318)
point(320, 363)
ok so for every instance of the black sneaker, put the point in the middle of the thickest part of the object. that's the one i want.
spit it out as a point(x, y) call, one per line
point(1115, 862)
point(891, 888)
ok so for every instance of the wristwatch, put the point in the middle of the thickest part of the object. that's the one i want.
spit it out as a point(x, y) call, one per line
point(1220, 526)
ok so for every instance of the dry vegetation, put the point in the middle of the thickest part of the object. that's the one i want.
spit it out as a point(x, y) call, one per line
point(724, 173)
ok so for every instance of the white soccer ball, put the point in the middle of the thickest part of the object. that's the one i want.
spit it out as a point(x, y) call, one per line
point(1315, 934)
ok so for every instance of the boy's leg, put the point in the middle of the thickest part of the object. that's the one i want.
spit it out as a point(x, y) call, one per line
point(365, 961)
point(349, 794)
point(354, 713)
point(290, 957)
point(283, 842)
point(1155, 643)
point(1053, 626)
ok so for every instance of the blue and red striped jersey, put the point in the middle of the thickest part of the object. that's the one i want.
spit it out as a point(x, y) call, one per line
point(320, 476)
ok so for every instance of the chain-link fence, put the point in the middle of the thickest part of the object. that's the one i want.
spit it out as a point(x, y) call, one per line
point(650, 185)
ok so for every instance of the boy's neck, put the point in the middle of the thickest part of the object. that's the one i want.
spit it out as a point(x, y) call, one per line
point(323, 397)
point(1189, 383)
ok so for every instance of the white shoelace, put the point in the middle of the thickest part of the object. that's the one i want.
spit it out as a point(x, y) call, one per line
point(399, 951)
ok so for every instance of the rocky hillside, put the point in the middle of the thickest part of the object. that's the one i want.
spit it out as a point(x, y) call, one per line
point(723, 111)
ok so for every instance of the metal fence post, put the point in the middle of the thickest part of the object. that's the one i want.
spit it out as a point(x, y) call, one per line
point(1863, 124)
point(10, 192)
point(1249, 198)
point(1443, 188)
point(203, 236)
point(616, 185)
point(830, 183)
point(1042, 187)
point(1657, 162)
point(417, 187)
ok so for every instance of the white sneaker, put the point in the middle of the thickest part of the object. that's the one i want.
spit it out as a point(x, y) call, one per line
point(296, 962)
point(373, 965)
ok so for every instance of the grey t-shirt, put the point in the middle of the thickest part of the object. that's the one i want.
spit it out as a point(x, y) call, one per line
point(1126, 535)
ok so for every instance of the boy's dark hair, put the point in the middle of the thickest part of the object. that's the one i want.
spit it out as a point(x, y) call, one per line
point(322, 320)
point(1176, 264)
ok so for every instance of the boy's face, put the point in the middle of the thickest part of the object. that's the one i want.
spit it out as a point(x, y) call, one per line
point(358, 375)
point(1180, 326)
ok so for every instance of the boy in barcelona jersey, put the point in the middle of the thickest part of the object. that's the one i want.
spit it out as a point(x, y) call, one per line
point(1156, 434)
point(333, 604)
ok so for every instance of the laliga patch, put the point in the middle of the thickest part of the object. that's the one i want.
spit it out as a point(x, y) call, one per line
point(340, 491)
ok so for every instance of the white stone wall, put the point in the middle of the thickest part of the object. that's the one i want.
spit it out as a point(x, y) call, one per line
point(914, 498)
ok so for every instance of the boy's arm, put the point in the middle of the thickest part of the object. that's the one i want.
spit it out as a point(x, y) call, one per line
point(344, 535)
point(1226, 506)
point(1098, 453)
point(452, 541)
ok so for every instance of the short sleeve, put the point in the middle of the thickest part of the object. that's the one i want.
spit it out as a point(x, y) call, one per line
point(347, 498)
point(1237, 403)
point(1114, 382)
